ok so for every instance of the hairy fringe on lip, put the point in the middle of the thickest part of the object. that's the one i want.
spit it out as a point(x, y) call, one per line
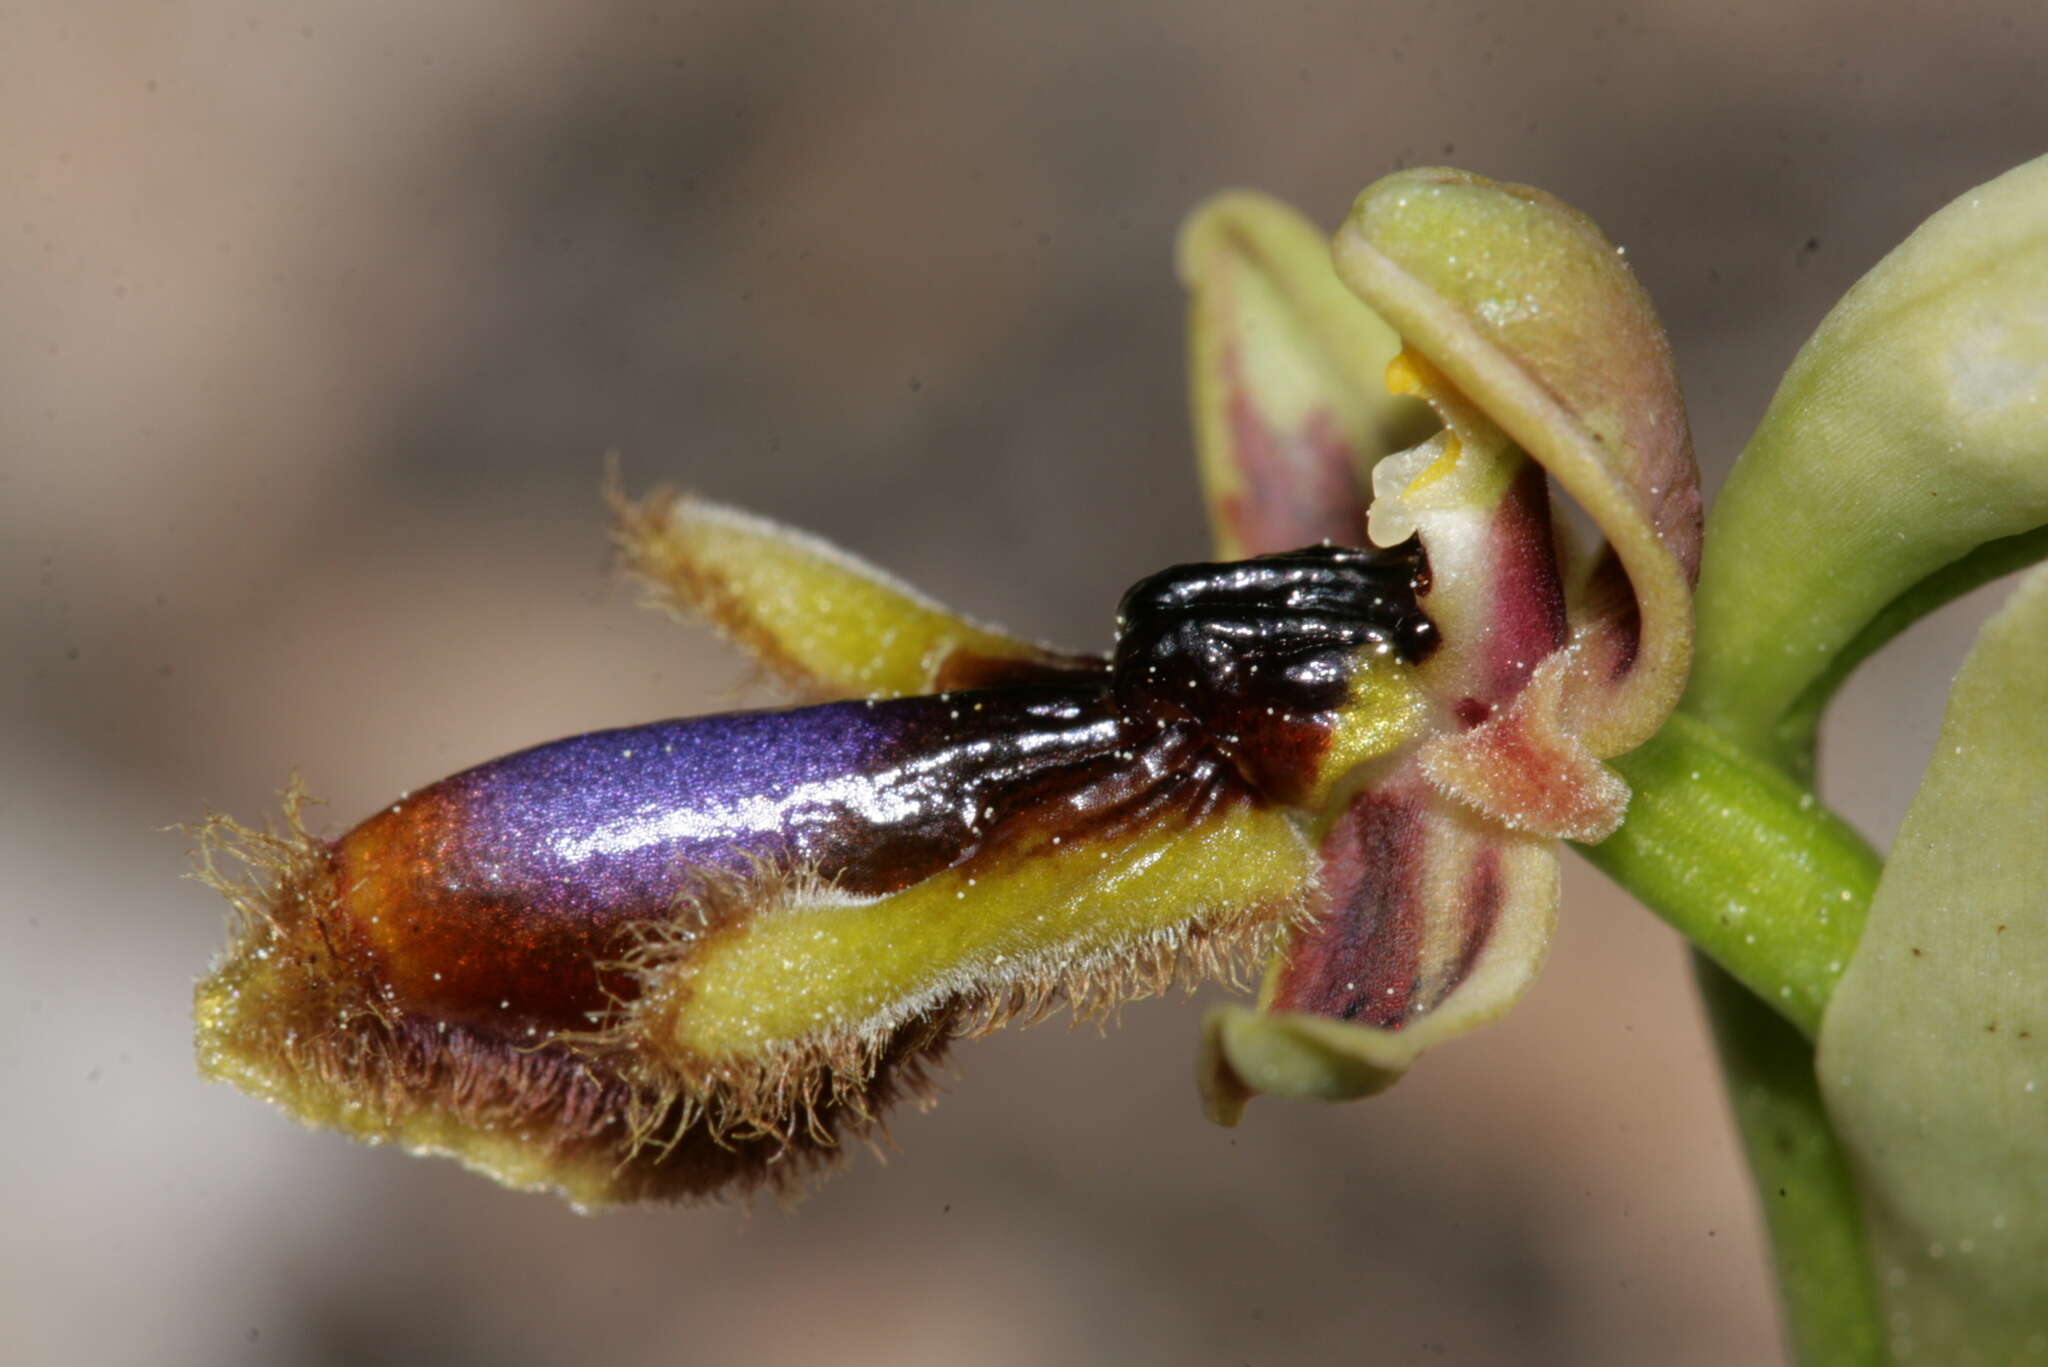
point(806, 1092)
point(293, 1015)
point(288, 1016)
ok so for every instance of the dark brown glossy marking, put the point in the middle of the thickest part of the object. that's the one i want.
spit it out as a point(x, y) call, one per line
point(1258, 654)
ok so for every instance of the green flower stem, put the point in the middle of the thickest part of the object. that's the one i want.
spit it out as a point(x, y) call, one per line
point(1771, 888)
point(1744, 862)
point(1802, 1177)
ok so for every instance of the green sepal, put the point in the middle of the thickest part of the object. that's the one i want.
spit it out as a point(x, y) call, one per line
point(1934, 1049)
point(1911, 429)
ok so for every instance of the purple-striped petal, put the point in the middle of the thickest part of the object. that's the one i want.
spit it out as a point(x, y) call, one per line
point(1434, 922)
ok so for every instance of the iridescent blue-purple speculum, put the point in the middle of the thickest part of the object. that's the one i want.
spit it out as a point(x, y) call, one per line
point(693, 957)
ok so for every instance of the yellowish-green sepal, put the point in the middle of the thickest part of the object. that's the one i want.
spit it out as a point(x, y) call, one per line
point(1479, 903)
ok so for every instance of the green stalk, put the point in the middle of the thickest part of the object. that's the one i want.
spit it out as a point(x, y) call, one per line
point(1802, 1178)
point(1771, 888)
point(1744, 862)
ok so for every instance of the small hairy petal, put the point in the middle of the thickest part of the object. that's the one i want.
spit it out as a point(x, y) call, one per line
point(1526, 771)
point(822, 622)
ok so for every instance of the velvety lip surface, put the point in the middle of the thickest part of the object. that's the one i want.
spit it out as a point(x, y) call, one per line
point(508, 882)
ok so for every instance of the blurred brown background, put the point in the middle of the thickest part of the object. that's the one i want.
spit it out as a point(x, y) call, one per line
point(318, 319)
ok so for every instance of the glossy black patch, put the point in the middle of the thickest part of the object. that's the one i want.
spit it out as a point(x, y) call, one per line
point(1257, 654)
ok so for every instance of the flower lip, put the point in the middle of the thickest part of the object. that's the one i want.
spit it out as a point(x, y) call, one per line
point(689, 950)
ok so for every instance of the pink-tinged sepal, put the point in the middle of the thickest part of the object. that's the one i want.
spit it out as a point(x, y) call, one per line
point(1283, 368)
point(1532, 317)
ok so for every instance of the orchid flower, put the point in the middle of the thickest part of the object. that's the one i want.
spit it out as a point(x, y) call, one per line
point(1520, 326)
point(694, 957)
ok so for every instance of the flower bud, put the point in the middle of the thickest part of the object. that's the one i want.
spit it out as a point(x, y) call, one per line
point(1906, 438)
